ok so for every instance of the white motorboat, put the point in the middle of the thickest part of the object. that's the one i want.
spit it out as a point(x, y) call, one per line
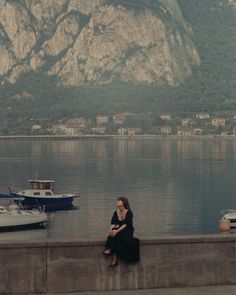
point(15, 215)
point(41, 194)
point(229, 215)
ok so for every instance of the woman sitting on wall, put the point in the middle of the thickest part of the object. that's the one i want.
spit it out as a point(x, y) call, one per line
point(120, 242)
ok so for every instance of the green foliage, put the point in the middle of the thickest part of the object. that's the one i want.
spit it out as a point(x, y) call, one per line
point(213, 24)
point(211, 88)
point(21, 2)
point(137, 5)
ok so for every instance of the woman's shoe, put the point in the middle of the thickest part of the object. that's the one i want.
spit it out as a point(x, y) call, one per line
point(114, 263)
point(106, 252)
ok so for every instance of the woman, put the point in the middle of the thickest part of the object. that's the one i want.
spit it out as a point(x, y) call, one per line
point(120, 242)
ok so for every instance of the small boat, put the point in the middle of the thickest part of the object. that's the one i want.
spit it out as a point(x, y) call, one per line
point(15, 216)
point(41, 194)
point(229, 215)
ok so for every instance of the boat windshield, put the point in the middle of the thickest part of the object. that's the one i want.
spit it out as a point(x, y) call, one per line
point(42, 185)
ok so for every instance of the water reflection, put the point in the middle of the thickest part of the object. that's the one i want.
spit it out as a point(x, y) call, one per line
point(175, 186)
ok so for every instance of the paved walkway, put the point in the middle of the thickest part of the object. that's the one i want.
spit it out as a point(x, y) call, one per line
point(212, 290)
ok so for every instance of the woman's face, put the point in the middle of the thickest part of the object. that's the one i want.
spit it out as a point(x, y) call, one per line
point(119, 204)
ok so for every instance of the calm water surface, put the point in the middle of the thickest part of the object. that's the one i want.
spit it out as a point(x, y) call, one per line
point(175, 186)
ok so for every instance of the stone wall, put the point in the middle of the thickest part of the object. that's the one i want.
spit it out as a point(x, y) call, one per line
point(56, 266)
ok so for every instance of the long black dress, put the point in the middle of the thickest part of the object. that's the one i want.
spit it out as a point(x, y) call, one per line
point(123, 243)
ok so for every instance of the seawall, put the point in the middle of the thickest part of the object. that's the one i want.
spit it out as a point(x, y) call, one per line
point(57, 266)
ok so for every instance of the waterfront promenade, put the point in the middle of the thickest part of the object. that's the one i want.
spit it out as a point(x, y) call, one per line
point(210, 290)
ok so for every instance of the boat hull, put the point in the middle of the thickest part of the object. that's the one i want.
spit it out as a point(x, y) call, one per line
point(22, 220)
point(48, 203)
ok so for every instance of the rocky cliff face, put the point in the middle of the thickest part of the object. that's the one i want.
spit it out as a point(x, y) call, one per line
point(96, 41)
point(232, 3)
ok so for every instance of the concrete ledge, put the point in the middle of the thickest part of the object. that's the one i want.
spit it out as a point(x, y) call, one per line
point(217, 238)
point(72, 266)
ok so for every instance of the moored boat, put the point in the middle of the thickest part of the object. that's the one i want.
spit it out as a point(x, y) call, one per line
point(15, 216)
point(41, 194)
point(229, 215)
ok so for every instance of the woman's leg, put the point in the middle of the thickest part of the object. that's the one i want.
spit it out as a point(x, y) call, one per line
point(114, 260)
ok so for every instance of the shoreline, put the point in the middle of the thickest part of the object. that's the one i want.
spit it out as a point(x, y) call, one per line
point(91, 136)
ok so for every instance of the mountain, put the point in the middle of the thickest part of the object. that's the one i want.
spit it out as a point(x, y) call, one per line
point(64, 58)
point(213, 23)
point(96, 41)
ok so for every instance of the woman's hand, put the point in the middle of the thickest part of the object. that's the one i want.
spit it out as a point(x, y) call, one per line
point(113, 232)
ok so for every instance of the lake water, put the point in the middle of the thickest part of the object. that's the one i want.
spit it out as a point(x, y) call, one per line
point(175, 185)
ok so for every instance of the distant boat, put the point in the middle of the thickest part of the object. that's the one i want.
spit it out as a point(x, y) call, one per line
point(41, 194)
point(15, 216)
point(229, 215)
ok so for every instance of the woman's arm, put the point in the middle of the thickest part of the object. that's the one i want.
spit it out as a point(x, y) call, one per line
point(111, 227)
point(121, 228)
point(113, 222)
point(114, 232)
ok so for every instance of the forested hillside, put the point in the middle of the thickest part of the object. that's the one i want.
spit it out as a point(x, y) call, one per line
point(206, 25)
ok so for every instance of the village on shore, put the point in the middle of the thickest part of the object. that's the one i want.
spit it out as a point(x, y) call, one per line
point(137, 124)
